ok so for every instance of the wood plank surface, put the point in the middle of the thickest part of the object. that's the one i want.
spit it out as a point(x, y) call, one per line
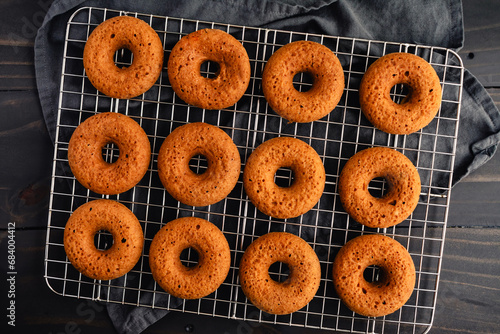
point(20, 21)
point(470, 284)
point(468, 299)
point(26, 144)
point(475, 200)
point(469, 293)
point(481, 51)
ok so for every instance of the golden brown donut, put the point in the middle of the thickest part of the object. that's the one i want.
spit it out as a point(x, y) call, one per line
point(301, 284)
point(417, 109)
point(85, 153)
point(298, 57)
point(403, 187)
point(223, 159)
point(103, 215)
point(123, 32)
point(214, 258)
point(308, 173)
point(396, 279)
point(232, 77)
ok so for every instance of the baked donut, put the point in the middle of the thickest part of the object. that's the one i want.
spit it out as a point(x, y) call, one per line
point(123, 32)
point(223, 159)
point(214, 258)
point(298, 57)
point(395, 282)
point(403, 184)
point(85, 153)
point(416, 110)
point(230, 81)
point(103, 215)
point(301, 284)
point(308, 173)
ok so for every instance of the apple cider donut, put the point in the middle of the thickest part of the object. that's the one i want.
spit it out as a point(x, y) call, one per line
point(214, 257)
point(103, 215)
point(301, 284)
point(123, 32)
point(416, 110)
point(403, 183)
point(230, 81)
point(308, 173)
point(85, 153)
point(298, 57)
point(223, 158)
point(395, 282)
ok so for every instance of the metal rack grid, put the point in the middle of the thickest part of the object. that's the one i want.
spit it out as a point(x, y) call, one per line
point(249, 122)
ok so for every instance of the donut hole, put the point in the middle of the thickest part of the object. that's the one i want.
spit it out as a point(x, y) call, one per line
point(189, 257)
point(284, 177)
point(279, 271)
point(198, 164)
point(303, 81)
point(103, 240)
point(378, 187)
point(123, 58)
point(374, 274)
point(110, 153)
point(401, 93)
point(209, 69)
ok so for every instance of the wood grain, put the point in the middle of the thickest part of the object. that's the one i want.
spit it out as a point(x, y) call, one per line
point(474, 201)
point(24, 191)
point(20, 21)
point(470, 284)
point(469, 293)
point(481, 51)
point(468, 299)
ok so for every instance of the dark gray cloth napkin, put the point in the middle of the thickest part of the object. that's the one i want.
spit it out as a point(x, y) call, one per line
point(428, 22)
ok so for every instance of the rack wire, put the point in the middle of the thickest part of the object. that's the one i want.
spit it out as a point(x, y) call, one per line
point(249, 122)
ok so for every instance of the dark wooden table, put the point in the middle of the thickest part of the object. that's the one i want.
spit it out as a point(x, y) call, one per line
point(469, 293)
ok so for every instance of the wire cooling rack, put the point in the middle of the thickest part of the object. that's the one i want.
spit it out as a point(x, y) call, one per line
point(249, 122)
